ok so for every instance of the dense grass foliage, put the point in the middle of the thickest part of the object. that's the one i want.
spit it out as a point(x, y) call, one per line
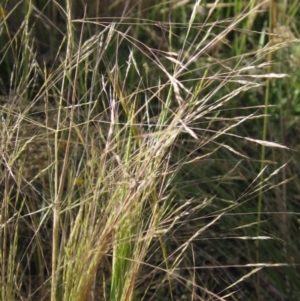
point(149, 150)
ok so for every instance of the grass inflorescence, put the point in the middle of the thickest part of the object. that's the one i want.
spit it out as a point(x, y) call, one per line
point(148, 151)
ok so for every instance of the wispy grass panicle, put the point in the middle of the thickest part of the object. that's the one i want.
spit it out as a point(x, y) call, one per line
point(131, 160)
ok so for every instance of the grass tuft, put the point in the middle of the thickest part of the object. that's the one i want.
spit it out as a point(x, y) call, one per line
point(145, 154)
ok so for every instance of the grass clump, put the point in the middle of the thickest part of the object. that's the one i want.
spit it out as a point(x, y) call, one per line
point(132, 162)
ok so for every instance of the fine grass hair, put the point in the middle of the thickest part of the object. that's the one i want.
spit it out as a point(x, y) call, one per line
point(132, 161)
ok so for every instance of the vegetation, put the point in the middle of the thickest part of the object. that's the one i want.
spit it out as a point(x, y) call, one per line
point(149, 150)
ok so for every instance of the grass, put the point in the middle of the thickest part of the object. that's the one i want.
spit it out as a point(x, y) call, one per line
point(139, 159)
